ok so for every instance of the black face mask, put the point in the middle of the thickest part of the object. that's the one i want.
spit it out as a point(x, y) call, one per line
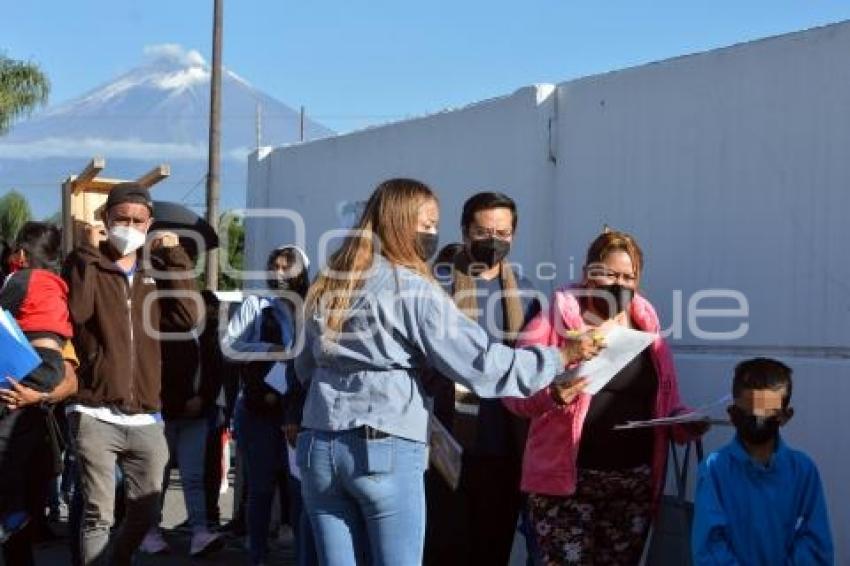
point(752, 429)
point(426, 245)
point(277, 284)
point(615, 295)
point(489, 251)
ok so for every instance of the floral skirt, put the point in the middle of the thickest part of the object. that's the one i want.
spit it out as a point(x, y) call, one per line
point(604, 522)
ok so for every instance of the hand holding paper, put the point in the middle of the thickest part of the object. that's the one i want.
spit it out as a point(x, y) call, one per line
point(699, 415)
point(622, 346)
point(582, 346)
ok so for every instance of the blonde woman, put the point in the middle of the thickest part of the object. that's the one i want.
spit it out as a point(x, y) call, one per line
point(375, 320)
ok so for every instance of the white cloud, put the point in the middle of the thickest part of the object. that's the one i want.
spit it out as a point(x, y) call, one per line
point(238, 153)
point(182, 79)
point(176, 53)
point(127, 148)
point(174, 68)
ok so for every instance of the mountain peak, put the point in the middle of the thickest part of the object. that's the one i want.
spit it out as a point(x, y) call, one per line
point(169, 67)
point(157, 111)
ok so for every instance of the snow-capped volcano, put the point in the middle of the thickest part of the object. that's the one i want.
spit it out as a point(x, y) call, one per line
point(156, 112)
point(170, 69)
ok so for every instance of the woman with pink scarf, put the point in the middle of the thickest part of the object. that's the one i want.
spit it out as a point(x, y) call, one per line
point(592, 489)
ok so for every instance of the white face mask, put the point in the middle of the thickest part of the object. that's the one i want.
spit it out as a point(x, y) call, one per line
point(125, 239)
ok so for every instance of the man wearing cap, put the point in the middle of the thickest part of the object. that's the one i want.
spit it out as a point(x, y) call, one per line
point(119, 304)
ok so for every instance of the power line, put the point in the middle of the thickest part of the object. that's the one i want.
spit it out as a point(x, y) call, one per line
point(194, 187)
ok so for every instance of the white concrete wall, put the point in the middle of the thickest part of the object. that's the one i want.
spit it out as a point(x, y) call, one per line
point(500, 144)
point(730, 167)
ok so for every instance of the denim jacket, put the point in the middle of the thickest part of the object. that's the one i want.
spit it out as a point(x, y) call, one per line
point(399, 324)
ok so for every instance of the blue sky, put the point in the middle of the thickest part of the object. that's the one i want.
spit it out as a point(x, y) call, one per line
point(356, 62)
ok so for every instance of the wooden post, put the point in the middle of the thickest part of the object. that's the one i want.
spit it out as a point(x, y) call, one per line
point(154, 176)
point(91, 171)
point(215, 143)
point(84, 195)
point(67, 219)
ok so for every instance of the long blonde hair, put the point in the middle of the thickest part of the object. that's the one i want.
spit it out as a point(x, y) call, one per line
point(391, 215)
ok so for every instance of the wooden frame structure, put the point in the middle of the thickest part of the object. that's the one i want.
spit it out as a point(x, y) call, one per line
point(84, 195)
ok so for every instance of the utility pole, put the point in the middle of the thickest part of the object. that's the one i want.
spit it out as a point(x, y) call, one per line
point(301, 126)
point(214, 163)
point(258, 125)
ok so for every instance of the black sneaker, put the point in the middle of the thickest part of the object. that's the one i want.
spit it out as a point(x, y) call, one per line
point(235, 528)
point(183, 527)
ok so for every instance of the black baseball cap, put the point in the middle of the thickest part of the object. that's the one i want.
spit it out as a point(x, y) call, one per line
point(129, 192)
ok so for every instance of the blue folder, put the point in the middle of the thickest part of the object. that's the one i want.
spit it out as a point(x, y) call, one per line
point(17, 356)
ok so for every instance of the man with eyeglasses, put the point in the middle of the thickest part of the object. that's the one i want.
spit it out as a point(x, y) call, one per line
point(476, 524)
point(114, 418)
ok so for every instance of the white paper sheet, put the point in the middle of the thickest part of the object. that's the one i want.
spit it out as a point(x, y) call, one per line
point(700, 414)
point(622, 346)
point(293, 467)
point(445, 453)
point(668, 421)
point(276, 378)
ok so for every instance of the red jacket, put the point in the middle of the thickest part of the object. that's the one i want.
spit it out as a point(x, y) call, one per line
point(551, 452)
point(38, 299)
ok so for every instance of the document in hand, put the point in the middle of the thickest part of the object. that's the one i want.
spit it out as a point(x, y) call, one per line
point(276, 378)
point(446, 453)
point(622, 346)
point(665, 421)
point(700, 414)
point(294, 470)
point(19, 358)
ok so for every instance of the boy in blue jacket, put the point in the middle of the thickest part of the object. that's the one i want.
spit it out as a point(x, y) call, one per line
point(758, 501)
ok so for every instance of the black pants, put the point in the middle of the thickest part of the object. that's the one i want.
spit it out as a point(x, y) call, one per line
point(24, 454)
point(475, 524)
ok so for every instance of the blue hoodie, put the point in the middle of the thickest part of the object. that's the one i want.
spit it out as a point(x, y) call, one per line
point(754, 514)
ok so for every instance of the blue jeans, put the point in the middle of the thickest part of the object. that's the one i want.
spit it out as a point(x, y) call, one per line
point(305, 546)
point(364, 497)
point(261, 442)
point(187, 439)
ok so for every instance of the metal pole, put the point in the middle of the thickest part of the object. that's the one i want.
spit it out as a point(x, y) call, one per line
point(214, 159)
point(258, 125)
point(302, 124)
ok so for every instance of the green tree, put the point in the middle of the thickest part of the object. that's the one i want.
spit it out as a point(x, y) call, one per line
point(234, 226)
point(23, 87)
point(14, 212)
point(235, 251)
